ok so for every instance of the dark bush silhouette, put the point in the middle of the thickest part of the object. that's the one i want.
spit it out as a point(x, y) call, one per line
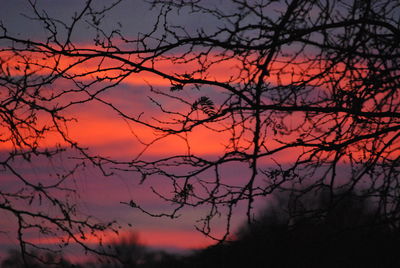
point(130, 253)
point(35, 260)
point(342, 232)
point(122, 253)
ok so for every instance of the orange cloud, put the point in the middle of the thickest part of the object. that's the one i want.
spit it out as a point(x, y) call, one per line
point(92, 68)
point(96, 129)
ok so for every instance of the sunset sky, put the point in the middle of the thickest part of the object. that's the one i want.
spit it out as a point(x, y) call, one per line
point(209, 126)
point(106, 133)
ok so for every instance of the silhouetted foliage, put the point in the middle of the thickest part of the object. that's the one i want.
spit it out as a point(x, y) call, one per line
point(35, 260)
point(129, 252)
point(344, 232)
point(126, 252)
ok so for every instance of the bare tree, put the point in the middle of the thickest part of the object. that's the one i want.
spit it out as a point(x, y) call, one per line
point(302, 95)
point(129, 252)
point(32, 111)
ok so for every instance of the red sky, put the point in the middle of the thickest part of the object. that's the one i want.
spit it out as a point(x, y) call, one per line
point(103, 131)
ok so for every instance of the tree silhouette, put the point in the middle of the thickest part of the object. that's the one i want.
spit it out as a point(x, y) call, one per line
point(297, 93)
point(14, 260)
point(128, 252)
point(347, 235)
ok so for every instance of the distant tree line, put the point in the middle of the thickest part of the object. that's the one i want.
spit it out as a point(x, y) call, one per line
point(345, 232)
point(341, 233)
